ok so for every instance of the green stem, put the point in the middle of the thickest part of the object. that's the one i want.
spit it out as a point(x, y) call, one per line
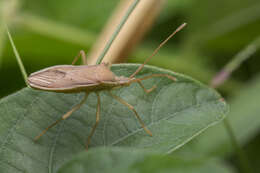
point(2, 40)
point(219, 79)
point(18, 58)
point(235, 63)
point(244, 163)
point(119, 27)
point(243, 55)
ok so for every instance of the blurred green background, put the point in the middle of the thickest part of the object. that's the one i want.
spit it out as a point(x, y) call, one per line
point(48, 32)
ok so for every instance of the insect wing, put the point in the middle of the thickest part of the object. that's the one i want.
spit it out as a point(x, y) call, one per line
point(63, 77)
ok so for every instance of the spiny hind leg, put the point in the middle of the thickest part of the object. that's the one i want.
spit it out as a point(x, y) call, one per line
point(97, 121)
point(131, 108)
point(65, 116)
point(146, 90)
point(81, 54)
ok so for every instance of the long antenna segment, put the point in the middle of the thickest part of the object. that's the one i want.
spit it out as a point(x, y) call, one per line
point(158, 48)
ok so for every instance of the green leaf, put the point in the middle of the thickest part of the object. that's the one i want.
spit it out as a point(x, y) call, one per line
point(244, 119)
point(118, 160)
point(175, 112)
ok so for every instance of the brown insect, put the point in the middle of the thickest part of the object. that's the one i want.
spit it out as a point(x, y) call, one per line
point(90, 78)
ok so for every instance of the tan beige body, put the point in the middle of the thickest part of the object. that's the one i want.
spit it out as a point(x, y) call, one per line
point(72, 79)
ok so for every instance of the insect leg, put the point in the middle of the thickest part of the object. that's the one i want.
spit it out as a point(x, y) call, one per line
point(146, 90)
point(97, 121)
point(81, 54)
point(133, 109)
point(155, 75)
point(65, 116)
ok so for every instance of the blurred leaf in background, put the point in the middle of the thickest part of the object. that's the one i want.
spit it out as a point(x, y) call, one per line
point(119, 160)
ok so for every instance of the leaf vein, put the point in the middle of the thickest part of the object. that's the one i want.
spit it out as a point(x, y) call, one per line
point(140, 129)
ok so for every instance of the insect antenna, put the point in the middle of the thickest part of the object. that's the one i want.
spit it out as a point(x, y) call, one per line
point(158, 48)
